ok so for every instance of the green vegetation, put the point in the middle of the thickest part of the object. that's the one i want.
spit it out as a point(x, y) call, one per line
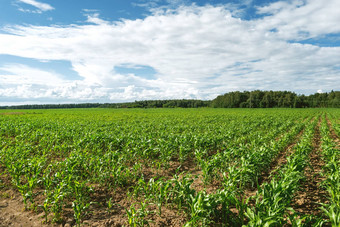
point(331, 154)
point(246, 99)
point(177, 103)
point(193, 167)
point(276, 99)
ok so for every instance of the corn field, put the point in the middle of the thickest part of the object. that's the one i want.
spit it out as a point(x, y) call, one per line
point(171, 167)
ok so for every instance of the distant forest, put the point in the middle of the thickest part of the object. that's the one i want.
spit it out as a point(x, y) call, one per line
point(237, 99)
point(181, 103)
point(276, 99)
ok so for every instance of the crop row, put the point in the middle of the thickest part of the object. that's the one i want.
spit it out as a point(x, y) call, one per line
point(331, 154)
point(272, 206)
point(203, 208)
point(59, 160)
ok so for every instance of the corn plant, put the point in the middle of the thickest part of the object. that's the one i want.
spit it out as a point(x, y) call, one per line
point(273, 198)
point(332, 174)
point(60, 153)
point(81, 203)
point(138, 217)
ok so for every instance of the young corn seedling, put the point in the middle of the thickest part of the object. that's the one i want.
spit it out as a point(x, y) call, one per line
point(24, 191)
point(138, 217)
point(332, 174)
point(81, 204)
point(181, 191)
point(57, 201)
point(200, 209)
point(109, 205)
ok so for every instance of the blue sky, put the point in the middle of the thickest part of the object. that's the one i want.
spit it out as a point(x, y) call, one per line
point(59, 51)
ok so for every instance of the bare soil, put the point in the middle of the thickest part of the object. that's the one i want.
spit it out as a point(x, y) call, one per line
point(12, 113)
point(276, 164)
point(281, 159)
point(12, 212)
point(307, 200)
point(334, 136)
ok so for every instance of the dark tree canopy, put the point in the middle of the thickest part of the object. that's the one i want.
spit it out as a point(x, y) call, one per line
point(276, 99)
point(237, 99)
point(182, 103)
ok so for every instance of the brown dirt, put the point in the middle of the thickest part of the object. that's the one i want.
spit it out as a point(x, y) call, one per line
point(199, 184)
point(13, 113)
point(306, 200)
point(276, 164)
point(188, 166)
point(12, 212)
point(334, 136)
point(281, 159)
point(101, 216)
point(12, 209)
point(169, 216)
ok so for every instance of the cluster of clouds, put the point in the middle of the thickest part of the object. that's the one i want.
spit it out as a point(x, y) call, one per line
point(39, 6)
point(197, 52)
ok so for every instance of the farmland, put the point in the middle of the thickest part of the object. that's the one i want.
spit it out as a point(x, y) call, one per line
point(170, 167)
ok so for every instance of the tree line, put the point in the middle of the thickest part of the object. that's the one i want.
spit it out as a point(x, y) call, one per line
point(176, 103)
point(53, 106)
point(276, 99)
point(237, 99)
point(181, 103)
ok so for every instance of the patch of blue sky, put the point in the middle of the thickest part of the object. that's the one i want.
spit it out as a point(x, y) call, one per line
point(238, 74)
point(244, 9)
point(107, 10)
point(242, 66)
point(248, 8)
point(244, 71)
point(64, 12)
point(143, 71)
point(329, 40)
point(256, 60)
point(61, 67)
point(256, 71)
point(237, 64)
point(214, 76)
point(14, 12)
point(234, 66)
point(337, 68)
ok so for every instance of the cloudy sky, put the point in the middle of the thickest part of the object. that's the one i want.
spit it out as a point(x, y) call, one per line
point(62, 51)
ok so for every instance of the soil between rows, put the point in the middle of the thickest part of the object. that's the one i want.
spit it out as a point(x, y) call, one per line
point(307, 200)
point(276, 164)
point(12, 212)
point(334, 136)
point(12, 209)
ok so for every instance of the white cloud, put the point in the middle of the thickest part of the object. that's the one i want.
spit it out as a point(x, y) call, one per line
point(155, 5)
point(302, 19)
point(197, 52)
point(94, 18)
point(28, 75)
point(41, 6)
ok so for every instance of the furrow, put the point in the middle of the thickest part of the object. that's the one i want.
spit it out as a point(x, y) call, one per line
point(311, 194)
